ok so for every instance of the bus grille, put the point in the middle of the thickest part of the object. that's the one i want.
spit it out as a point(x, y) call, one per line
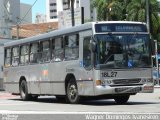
point(128, 90)
point(126, 81)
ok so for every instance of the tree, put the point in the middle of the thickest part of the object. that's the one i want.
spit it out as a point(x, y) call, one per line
point(103, 7)
point(131, 10)
point(136, 11)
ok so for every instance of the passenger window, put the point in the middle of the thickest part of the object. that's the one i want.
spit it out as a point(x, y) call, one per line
point(45, 56)
point(24, 58)
point(86, 53)
point(71, 47)
point(34, 55)
point(15, 56)
point(58, 51)
point(7, 57)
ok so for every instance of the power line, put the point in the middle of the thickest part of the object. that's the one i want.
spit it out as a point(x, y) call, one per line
point(28, 11)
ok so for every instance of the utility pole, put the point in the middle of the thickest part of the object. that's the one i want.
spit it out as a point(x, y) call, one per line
point(148, 15)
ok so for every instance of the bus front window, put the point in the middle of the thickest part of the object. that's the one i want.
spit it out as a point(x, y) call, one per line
point(123, 50)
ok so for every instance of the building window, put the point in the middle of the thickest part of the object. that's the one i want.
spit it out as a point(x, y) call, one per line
point(53, 17)
point(53, 4)
point(53, 10)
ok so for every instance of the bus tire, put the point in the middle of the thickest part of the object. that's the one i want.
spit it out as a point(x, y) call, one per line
point(121, 99)
point(72, 92)
point(24, 91)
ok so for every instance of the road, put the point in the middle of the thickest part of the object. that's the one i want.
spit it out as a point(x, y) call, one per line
point(140, 103)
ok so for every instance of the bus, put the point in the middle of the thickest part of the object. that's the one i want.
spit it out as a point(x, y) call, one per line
point(110, 59)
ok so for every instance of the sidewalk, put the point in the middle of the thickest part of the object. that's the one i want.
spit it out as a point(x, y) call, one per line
point(6, 95)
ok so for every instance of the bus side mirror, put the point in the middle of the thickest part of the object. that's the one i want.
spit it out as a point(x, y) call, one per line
point(93, 46)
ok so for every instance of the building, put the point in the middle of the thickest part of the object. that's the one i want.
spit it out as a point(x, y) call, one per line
point(13, 13)
point(25, 13)
point(29, 30)
point(9, 14)
point(40, 18)
point(54, 6)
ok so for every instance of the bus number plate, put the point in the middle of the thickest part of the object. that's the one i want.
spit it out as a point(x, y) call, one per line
point(109, 74)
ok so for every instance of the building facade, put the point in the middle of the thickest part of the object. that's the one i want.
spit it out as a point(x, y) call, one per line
point(9, 14)
point(54, 6)
point(25, 13)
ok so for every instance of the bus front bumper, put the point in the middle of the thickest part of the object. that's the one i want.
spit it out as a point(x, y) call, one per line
point(102, 90)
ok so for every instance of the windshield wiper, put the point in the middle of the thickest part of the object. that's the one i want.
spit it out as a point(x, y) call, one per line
point(108, 58)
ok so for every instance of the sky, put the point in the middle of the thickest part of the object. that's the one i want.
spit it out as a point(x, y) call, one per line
point(39, 7)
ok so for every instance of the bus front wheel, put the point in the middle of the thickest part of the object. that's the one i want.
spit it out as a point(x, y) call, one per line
point(121, 99)
point(72, 92)
point(24, 90)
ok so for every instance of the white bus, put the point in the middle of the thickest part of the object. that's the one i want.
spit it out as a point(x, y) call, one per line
point(97, 59)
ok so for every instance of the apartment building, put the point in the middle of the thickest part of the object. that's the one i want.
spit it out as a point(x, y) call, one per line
point(54, 6)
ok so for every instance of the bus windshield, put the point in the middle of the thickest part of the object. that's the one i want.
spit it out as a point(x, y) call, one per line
point(122, 51)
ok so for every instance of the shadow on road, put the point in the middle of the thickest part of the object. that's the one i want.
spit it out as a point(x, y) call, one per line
point(103, 102)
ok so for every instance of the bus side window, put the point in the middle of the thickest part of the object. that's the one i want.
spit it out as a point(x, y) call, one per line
point(58, 51)
point(7, 61)
point(45, 56)
point(34, 53)
point(15, 56)
point(24, 57)
point(72, 47)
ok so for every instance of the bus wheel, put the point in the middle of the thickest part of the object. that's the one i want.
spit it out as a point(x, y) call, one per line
point(24, 90)
point(72, 92)
point(121, 99)
point(33, 97)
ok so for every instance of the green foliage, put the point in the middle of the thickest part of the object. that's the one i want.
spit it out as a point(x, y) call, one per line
point(131, 10)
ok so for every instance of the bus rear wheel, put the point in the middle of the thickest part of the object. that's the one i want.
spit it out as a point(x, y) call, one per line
point(24, 90)
point(72, 92)
point(121, 99)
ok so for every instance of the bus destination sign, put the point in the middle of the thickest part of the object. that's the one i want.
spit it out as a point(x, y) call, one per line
point(125, 27)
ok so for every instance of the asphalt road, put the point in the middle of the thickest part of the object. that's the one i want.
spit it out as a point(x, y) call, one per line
point(48, 107)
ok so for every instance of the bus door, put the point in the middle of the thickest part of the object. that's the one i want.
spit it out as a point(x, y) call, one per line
point(87, 64)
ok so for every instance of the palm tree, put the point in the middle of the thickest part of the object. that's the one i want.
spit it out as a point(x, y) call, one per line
point(111, 9)
point(136, 11)
point(103, 8)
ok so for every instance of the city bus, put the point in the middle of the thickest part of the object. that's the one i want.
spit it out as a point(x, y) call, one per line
point(109, 60)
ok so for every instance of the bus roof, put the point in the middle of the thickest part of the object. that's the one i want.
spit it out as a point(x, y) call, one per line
point(3, 41)
point(63, 31)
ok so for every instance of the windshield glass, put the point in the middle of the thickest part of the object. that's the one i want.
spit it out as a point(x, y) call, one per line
point(123, 51)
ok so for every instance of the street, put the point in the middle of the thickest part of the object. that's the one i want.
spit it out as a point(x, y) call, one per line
point(142, 102)
point(47, 107)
